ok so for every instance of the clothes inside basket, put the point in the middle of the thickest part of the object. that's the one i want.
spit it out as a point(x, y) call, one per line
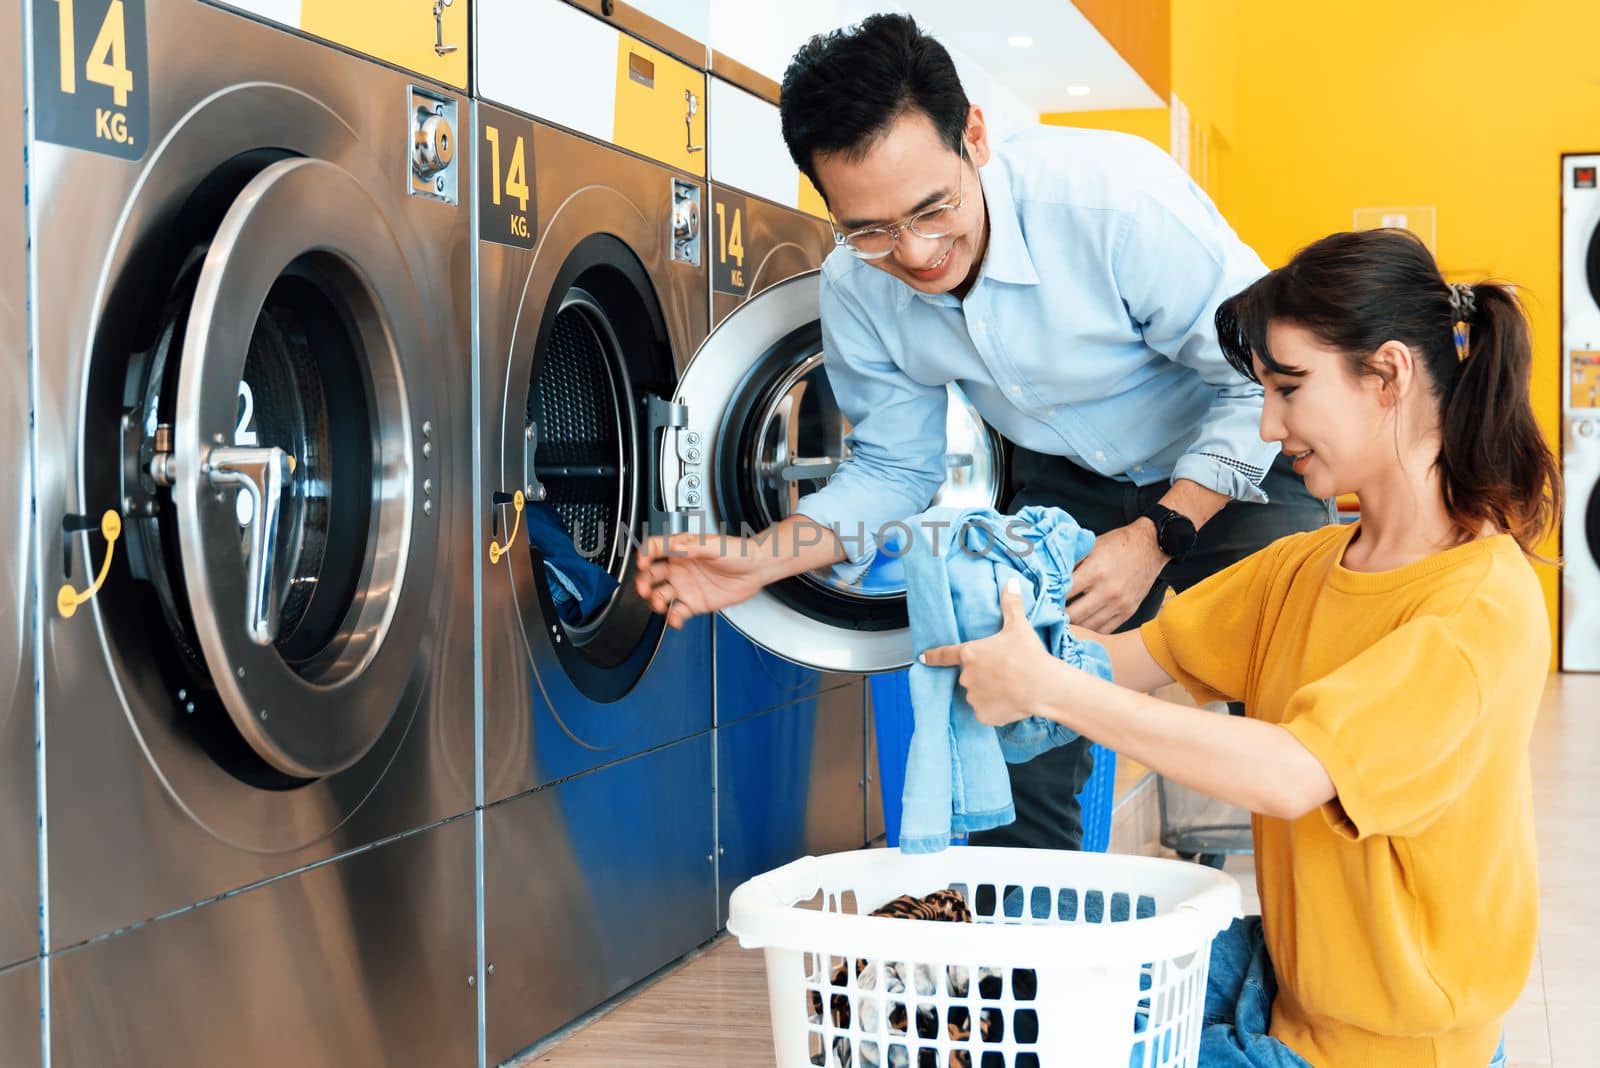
point(860, 1013)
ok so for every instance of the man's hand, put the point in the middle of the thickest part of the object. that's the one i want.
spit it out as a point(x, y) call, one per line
point(1109, 584)
point(685, 575)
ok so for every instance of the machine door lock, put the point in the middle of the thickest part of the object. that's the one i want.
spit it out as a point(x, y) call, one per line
point(433, 146)
point(685, 222)
point(439, 47)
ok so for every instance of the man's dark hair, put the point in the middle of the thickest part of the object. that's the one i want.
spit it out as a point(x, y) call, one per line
point(843, 89)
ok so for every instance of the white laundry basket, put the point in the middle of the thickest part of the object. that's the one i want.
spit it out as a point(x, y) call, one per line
point(1075, 960)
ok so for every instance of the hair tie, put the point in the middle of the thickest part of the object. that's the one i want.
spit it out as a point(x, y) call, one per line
point(1463, 305)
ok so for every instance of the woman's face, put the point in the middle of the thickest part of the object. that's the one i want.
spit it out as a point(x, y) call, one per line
point(1333, 424)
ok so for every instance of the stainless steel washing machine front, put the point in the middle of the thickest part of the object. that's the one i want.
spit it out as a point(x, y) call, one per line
point(584, 324)
point(19, 813)
point(251, 317)
point(19, 1016)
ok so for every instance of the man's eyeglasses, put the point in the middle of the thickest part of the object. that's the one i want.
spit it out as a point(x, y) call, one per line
point(876, 242)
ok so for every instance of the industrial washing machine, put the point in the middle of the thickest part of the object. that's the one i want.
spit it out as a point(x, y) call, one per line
point(592, 297)
point(596, 281)
point(251, 326)
point(1580, 404)
point(19, 814)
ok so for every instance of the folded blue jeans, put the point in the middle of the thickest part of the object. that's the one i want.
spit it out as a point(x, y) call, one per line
point(957, 564)
point(1240, 989)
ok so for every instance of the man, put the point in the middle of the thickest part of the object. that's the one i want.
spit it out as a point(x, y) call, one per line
point(1067, 281)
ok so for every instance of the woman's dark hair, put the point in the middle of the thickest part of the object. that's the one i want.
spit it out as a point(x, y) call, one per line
point(1354, 292)
point(843, 89)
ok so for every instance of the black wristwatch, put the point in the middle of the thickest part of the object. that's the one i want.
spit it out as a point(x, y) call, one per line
point(1175, 531)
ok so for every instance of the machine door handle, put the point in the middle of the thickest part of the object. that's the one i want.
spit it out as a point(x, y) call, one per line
point(439, 47)
point(688, 122)
point(260, 473)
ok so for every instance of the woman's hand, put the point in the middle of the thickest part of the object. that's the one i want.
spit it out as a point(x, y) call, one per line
point(1005, 675)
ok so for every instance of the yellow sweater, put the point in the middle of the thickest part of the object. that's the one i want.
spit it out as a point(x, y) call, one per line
point(1401, 917)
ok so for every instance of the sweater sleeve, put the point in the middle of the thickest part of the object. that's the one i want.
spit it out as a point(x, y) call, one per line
point(1399, 729)
point(1205, 637)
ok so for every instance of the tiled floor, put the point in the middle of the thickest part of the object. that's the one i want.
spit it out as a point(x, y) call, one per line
point(711, 1012)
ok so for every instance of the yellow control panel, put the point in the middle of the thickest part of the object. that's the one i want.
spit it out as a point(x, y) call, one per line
point(660, 106)
point(426, 36)
point(1584, 367)
point(810, 201)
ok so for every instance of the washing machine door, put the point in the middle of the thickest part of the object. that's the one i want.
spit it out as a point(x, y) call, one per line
point(281, 514)
point(762, 429)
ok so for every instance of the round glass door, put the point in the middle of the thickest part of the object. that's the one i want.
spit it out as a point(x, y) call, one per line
point(1592, 523)
point(795, 437)
point(1593, 265)
point(590, 349)
point(758, 395)
point(274, 461)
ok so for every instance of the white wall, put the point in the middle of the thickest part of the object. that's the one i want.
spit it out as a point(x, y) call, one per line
point(764, 34)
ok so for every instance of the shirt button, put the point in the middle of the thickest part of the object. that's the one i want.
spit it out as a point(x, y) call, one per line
point(980, 328)
point(1100, 456)
point(1138, 468)
point(1055, 411)
point(1016, 389)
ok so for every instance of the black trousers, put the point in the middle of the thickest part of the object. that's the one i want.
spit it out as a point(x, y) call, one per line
point(1045, 789)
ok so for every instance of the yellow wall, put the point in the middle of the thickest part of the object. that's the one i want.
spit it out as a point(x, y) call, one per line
point(1465, 106)
point(1301, 113)
point(1205, 60)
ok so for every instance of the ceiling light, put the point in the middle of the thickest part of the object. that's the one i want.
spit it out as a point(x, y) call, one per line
point(1077, 90)
point(1020, 41)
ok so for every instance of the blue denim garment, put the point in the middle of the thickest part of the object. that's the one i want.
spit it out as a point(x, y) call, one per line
point(958, 562)
point(1240, 988)
point(579, 588)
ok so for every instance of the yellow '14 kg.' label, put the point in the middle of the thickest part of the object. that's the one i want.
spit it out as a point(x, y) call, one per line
point(505, 193)
point(90, 75)
point(728, 269)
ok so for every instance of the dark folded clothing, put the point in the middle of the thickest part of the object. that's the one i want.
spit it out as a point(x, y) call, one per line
point(579, 587)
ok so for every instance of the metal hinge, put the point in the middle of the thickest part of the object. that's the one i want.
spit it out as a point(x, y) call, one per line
point(683, 488)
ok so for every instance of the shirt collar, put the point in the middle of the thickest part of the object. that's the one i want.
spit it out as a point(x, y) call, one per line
point(1006, 259)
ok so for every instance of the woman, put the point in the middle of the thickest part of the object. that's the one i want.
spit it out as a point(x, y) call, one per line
point(1391, 670)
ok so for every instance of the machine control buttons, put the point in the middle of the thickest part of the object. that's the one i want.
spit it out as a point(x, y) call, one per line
point(685, 222)
point(433, 145)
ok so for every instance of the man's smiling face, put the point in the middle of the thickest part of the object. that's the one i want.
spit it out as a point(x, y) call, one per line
point(908, 169)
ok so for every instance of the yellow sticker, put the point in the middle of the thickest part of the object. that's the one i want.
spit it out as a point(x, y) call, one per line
point(662, 116)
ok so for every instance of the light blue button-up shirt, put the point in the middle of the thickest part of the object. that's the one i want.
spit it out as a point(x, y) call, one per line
point(1088, 334)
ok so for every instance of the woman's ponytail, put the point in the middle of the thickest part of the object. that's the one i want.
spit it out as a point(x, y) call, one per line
point(1494, 463)
point(1355, 291)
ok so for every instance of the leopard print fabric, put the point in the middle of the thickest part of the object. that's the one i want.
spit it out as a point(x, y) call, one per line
point(944, 906)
